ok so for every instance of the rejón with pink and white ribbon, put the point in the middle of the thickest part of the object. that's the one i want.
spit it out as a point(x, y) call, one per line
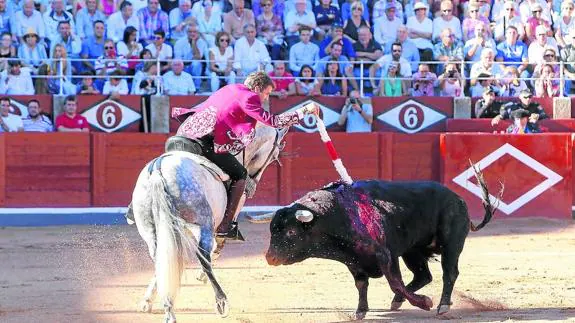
point(332, 153)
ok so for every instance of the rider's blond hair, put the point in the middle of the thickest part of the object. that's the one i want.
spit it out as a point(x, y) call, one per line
point(258, 81)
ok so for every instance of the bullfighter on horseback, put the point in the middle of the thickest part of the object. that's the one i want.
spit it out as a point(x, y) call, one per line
point(223, 126)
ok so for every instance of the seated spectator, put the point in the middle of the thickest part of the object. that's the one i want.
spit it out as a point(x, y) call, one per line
point(424, 81)
point(116, 85)
point(526, 9)
point(521, 124)
point(31, 53)
point(537, 47)
point(161, 50)
point(72, 44)
point(36, 121)
point(54, 16)
point(26, 19)
point(484, 80)
point(345, 67)
point(469, 23)
point(217, 8)
point(508, 19)
point(7, 50)
point(347, 9)
point(336, 36)
point(513, 52)
point(356, 21)
point(191, 50)
point(296, 19)
point(448, 50)
point(546, 86)
point(382, 64)
point(250, 54)
point(485, 65)
point(408, 49)
point(87, 86)
point(304, 52)
point(390, 84)
point(270, 30)
point(488, 106)
point(110, 60)
point(565, 24)
point(325, 16)
point(180, 18)
point(445, 21)
point(85, 18)
point(380, 8)
point(451, 83)
point(284, 82)
point(356, 115)
point(111, 6)
point(385, 27)
point(151, 19)
point(178, 82)
point(120, 20)
point(236, 20)
point(148, 81)
point(525, 102)
point(332, 81)
point(70, 120)
point(536, 20)
point(474, 46)
point(367, 52)
point(511, 84)
point(145, 56)
point(307, 83)
point(93, 47)
point(419, 28)
point(568, 58)
point(61, 72)
point(17, 81)
point(209, 22)
point(9, 122)
point(130, 48)
point(221, 62)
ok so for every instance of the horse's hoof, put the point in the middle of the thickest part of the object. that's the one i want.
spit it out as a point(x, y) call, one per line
point(223, 307)
point(360, 315)
point(442, 309)
point(202, 277)
point(395, 305)
point(428, 303)
point(170, 319)
point(146, 306)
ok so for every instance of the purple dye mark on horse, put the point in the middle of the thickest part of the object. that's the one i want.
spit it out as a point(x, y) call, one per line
point(365, 218)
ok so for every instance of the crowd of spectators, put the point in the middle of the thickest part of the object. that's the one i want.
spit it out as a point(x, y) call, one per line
point(408, 47)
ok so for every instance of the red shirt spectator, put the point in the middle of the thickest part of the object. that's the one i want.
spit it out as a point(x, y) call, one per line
point(70, 121)
point(284, 81)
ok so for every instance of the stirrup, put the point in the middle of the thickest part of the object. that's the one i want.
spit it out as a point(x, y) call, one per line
point(232, 234)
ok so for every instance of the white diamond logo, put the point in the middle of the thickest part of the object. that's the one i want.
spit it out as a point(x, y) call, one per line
point(110, 116)
point(411, 116)
point(309, 122)
point(18, 108)
point(552, 178)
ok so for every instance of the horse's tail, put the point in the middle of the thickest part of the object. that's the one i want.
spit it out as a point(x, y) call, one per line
point(170, 231)
point(485, 199)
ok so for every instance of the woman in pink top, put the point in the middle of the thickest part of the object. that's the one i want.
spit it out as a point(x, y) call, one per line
point(224, 125)
point(535, 20)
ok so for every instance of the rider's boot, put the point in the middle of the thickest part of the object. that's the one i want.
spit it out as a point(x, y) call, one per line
point(229, 228)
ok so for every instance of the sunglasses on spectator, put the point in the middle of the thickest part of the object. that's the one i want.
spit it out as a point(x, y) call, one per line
point(357, 8)
point(224, 40)
point(159, 37)
point(109, 47)
point(536, 11)
point(266, 5)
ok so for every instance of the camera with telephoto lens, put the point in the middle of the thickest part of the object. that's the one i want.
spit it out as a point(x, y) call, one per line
point(451, 73)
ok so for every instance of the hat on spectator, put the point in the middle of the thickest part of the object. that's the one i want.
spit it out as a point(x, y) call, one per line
point(541, 29)
point(30, 31)
point(536, 6)
point(520, 113)
point(419, 5)
point(525, 93)
point(390, 5)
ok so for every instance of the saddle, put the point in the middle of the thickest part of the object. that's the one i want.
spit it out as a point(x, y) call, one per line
point(185, 147)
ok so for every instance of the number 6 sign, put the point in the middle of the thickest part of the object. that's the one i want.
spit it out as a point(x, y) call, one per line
point(110, 116)
point(411, 116)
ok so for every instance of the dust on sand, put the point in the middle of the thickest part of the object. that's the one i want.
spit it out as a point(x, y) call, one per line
point(513, 270)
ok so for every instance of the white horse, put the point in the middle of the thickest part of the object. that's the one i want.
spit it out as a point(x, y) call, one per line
point(178, 201)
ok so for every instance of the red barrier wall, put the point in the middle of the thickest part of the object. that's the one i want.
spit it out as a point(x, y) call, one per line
point(536, 171)
point(484, 125)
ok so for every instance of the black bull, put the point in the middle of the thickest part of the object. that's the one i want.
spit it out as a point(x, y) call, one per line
point(369, 225)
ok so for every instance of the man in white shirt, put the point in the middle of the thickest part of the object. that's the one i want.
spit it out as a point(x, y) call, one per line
point(18, 81)
point(9, 122)
point(86, 17)
point(250, 54)
point(508, 18)
point(192, 50)
point(118, 21)
point(537, 48)
point(178, 82)
point(486, 65)
point(26, 18)
point(296, 19)
point(116, 85)
point(446, 20)
point(385, 27)
point(54, 16)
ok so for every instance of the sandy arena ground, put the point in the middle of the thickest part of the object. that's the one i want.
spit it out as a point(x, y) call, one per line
point(513, 270)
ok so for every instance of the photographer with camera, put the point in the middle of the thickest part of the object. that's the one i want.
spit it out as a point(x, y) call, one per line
point(450, 82)
point(356, 115)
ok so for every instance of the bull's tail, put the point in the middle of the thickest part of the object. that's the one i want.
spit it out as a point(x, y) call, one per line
point(172, 240)
point(485, 199)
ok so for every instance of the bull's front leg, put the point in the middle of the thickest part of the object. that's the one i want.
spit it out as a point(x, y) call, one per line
point(390, 268)
point(361, 283)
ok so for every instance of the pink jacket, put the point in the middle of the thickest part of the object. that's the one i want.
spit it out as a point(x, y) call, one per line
point(230, 114)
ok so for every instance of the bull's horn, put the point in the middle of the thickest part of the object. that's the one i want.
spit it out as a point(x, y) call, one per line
point(304, 216)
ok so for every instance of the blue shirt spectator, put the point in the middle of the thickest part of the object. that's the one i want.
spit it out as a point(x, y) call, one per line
point(151, 19)
point(92, 48)
point(508, 53)
point(326, 14)
point(327, 42)
point(86, 17)
point(5, 16)
point(303, 52)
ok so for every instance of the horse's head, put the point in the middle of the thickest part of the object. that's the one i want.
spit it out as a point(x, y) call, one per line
point(265, 149)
